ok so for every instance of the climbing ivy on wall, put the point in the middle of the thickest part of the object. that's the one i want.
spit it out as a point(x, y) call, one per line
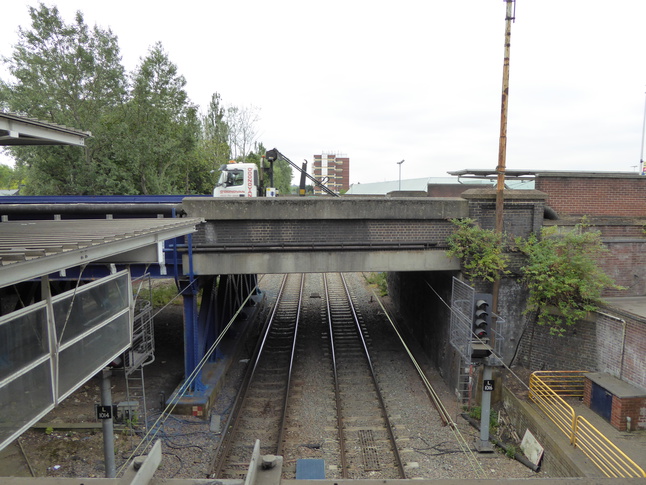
point(561, 270)
point(562, 274)
point(479, 250)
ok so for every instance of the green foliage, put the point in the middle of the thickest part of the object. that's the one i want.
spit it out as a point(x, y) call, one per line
point(147, 137)
point(476, 413)
point(512, 450)
point(163, 293)
point(213, 149)
point(159, 130)
point(479, 250)
point(379, 281)
point(71, 75)
point(49, 430)
point(562, 274)
point(10, 178)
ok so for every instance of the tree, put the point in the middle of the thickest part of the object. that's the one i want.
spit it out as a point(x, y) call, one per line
point(70, 75)
point(9, 177)
point(157, 129)
point(563, 276)
point(213, 148)
point(242, 129)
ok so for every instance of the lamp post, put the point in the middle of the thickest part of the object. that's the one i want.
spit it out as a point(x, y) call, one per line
point(400, 174)
point(642, 166)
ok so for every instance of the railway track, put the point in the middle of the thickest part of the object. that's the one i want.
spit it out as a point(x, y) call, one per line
point(366, 437)
point(260, 408)
point(332, 408)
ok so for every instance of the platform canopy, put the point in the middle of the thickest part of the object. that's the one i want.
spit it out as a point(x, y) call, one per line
point(30, 249)
point(16, 130)
point(51, 347)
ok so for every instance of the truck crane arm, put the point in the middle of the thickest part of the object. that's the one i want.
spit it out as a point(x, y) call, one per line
point(274, 154)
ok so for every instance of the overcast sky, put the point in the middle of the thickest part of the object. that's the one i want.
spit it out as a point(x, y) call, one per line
point(418, 80)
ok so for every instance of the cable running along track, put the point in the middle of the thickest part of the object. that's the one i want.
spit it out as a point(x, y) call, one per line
point(261, 405)
point(333, 408)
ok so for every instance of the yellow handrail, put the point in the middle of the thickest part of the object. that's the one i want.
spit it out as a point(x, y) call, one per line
point(546, 389)
point(565, 383)
point(609, 459)
point(553, 405)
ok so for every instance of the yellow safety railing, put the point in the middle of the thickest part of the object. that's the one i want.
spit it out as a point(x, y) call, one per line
point(602, 452)
point(565, 383)
point(613, 462)
point(553, 405)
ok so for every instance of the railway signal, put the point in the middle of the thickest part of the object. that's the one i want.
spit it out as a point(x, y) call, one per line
point(480, 325)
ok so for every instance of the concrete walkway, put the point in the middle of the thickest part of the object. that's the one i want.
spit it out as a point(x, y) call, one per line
point(633, 444)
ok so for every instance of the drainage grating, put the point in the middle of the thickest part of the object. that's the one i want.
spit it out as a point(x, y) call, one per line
point(369, 450)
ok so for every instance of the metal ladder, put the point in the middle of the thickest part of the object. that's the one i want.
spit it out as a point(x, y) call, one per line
point(136, 357)
point(463, 389)
point(135, 410)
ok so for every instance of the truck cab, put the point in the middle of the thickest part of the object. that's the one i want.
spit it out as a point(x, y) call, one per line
point(237, 180)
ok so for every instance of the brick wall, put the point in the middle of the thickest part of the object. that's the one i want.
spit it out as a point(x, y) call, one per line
point(557, 461)
point(601, 346)
point(523, 210)
point(628, 407)
point(249, 232)
point(625, 261)
point(615, 195)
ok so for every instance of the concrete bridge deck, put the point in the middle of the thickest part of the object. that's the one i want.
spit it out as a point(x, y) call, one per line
point(306, 235)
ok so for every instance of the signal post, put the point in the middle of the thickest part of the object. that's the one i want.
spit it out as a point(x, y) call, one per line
point(480, 352)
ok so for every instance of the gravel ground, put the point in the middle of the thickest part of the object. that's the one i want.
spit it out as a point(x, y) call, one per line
point(429, 449)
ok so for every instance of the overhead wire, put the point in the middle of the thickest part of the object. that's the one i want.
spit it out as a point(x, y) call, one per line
point(444, 413)
point(498, 357)
point(147, 439)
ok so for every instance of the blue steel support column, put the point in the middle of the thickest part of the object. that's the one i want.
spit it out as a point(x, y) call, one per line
point(193, 351)
point(210, 325)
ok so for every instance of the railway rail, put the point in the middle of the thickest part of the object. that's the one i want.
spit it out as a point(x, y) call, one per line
point(260, 407)
point(312, 389)
point(366, 437)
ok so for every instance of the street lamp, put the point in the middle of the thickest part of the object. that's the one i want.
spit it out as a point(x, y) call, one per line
point(400, 174)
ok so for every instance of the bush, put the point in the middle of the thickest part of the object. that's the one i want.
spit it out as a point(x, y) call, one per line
point(480, 250)
point(562, 275)
point(163, 292)
point(378, 280)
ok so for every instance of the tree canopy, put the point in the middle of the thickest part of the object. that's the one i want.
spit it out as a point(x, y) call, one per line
point(147, 135)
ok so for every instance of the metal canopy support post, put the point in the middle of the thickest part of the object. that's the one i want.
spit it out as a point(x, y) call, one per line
point(208, 320)
point(108, 428)
point(193, 338)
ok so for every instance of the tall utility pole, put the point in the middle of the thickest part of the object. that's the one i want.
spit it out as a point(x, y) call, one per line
point(483, 445)
point(502, 145)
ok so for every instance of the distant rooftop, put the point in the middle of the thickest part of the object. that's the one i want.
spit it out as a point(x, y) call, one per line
point(421, 184)
point(524, 174)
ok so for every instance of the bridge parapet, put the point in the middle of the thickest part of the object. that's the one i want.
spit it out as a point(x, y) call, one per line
point(319, 234)
point(324, 234)
point(322, 208)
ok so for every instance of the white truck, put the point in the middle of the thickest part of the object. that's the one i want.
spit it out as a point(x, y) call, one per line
point(242, 179)
point(237, 180)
